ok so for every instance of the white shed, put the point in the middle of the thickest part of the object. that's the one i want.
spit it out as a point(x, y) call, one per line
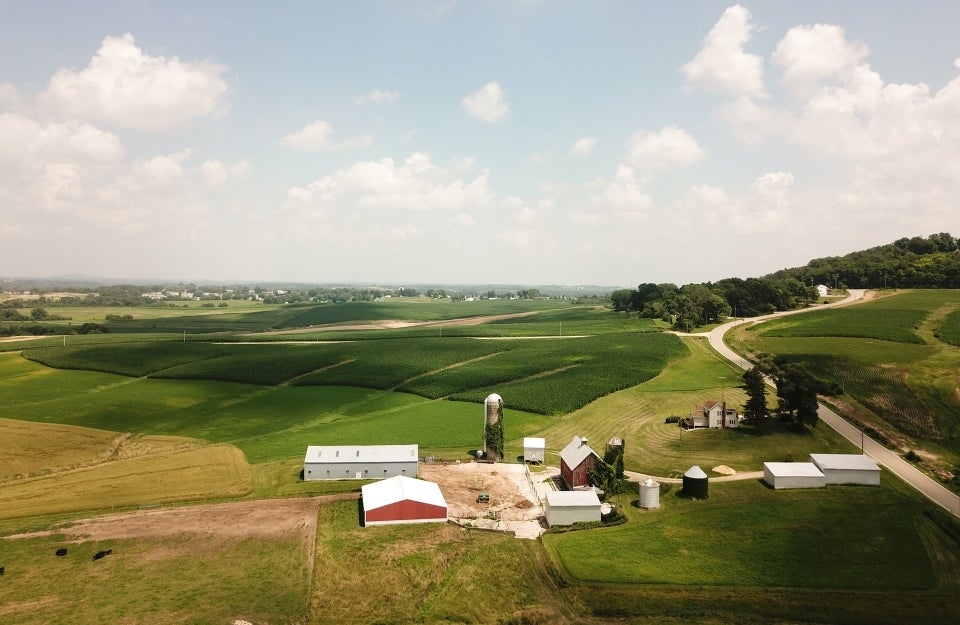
point(533, 449)
point(781, 475)
point(847, 469)
point(566, 507)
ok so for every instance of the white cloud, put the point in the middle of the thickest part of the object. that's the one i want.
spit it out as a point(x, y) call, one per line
point(722, 64)
point(488, 103)
point(317, 136)
point(583, 146)
point(26, 143)
point(667, 148)
point(376, 96)
point(809, 54)
point(126, 87)
point(621, 196)
point(415, 184)
point(216, 173)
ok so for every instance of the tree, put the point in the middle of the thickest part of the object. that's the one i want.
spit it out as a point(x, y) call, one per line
point(797, 393)
point(39, 313)
point(755, 410)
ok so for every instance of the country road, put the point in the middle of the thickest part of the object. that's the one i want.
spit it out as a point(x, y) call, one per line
point(887, 458)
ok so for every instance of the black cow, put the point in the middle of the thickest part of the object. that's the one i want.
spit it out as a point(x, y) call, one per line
point(62, 551)
point(101, 554)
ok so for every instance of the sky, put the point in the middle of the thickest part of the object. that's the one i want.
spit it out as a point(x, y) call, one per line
point(456, 142)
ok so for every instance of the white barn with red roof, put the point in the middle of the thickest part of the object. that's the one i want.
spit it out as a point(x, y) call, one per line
point(402, 499)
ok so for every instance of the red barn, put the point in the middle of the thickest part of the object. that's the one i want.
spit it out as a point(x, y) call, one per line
point(402, 499)
point(576, 462)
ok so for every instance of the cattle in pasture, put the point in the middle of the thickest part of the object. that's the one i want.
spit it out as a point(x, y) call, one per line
point(62, 551)
point(102, 554)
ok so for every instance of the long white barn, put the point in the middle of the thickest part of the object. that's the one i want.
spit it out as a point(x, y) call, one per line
point(359, 462)
point(847, 469)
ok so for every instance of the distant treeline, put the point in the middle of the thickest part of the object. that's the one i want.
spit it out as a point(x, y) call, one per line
point(931, 262)
point(694, 305)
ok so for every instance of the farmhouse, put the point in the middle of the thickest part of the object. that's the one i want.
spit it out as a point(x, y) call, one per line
point(847, 469)
point(533, 449)
point(783, 475)
point(713, 414)
point(402, 499)
point(359, 462)
point(823, 290)
point(569, 507)
point(577, 460)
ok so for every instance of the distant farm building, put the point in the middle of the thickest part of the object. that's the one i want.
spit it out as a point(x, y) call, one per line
point(569, 507)
point(402, 499)
point(847, 469)
point(783, 475)
point(823, 290)
point(577, 460)
point(713, 414)
point(359, 462)
point(533, 449)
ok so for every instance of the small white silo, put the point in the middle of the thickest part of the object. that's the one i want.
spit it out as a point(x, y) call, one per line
point(649, 493)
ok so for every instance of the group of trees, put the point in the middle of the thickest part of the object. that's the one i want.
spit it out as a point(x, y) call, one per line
point(693, 305)
point(931, 262)
point(797, 390)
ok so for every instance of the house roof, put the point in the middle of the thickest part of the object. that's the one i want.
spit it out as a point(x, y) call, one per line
point(572, 498)
point(343, 454)
point(401, 488)
point(792, 469)
point(534, 442)
point(576, 452)
point(850, 462)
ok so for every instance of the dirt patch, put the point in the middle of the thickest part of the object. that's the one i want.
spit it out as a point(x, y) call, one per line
point(514, 501)
point(13, 339)
point(264, 518)
point(392, 324)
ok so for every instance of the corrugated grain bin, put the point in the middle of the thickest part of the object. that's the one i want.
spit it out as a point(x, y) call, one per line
point(695, 483)
point(649, 493)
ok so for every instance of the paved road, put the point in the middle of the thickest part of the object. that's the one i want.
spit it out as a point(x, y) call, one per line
point(887, 458)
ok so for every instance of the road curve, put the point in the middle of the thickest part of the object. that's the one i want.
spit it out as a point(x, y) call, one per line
point(889, 459)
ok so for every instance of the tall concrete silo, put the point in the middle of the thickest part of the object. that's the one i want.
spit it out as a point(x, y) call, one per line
point(493, 428)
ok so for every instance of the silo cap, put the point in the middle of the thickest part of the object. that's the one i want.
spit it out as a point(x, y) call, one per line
point(695, 472)
point(493, 398)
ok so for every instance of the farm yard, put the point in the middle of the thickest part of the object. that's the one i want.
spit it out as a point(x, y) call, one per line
point(181, 452)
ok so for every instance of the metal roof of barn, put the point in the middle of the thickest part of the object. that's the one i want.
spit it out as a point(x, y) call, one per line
point(793, 469)
point(576, 452)
point(401, 488)
point(850, 462)
point(343, 454)
point(572, 498)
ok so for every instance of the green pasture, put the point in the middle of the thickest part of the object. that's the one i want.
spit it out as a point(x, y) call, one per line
point(425, 574)
point(746, 534)
point(183, 579)
point(950, 329)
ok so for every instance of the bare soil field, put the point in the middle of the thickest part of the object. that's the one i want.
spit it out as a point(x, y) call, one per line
point(263, 518)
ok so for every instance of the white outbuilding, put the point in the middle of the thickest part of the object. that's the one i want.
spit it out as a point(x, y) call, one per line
point(533, 449)
point(782, 475)
point(359, 462)
point(847, 469)
point(402, 499)
point(566, 507)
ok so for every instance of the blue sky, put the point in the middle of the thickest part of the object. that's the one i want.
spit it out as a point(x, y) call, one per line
point(534, 142)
